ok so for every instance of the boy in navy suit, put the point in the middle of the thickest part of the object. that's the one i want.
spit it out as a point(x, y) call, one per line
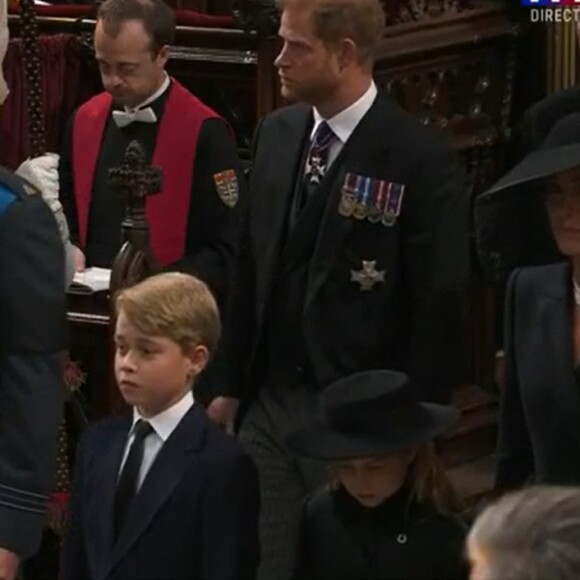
point(164, 494)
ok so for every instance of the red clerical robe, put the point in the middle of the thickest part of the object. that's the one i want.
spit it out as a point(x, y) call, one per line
point(174, 153)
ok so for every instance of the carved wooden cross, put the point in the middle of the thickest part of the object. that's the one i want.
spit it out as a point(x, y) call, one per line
point(136, 180)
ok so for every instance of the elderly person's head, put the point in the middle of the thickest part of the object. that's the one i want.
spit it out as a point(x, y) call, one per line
point(533, 534)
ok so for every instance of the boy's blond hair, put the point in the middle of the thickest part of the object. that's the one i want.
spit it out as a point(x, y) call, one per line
point(174, 305)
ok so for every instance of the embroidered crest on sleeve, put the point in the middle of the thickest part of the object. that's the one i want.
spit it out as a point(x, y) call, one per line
point(226, 184)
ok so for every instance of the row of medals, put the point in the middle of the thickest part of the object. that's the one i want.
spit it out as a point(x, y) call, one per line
point(351, 205)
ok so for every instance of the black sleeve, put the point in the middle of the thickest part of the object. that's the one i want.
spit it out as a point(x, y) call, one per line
point(515, 465)
point(436, 256)
point(66, 187)
point(73, 563)
point(225, 376)
point(215, 217)
point(32, 335)
point(449, 543)
point(229, 530)
point(302, 566)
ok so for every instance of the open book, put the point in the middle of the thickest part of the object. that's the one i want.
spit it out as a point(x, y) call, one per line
point(91, 280)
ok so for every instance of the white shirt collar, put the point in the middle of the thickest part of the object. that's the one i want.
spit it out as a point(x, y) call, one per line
point(345, 122)
point(165, 422)
point(164, 86)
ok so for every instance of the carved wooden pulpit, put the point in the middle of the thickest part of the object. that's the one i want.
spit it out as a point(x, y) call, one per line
point(135, 180)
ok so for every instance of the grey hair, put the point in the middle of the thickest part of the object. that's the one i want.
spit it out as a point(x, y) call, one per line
point(532, 534)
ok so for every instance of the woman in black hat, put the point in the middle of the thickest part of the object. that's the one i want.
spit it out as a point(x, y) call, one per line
point(539, 426)
point(389, 513)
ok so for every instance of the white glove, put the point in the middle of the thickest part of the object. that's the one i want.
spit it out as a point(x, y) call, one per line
point(42, 172)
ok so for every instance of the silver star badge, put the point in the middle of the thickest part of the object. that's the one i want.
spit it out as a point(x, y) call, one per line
point(368, 275)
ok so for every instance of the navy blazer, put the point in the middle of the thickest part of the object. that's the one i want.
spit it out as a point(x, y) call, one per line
point(195, 516)
point(539, 436)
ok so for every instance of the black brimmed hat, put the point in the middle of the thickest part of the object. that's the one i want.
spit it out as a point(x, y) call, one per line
point(511, 223)
point(368, 414)
point(560, 152)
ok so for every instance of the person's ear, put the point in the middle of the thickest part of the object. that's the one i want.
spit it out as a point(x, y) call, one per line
point(347, 53)
point(162, 56)
point(197, 358)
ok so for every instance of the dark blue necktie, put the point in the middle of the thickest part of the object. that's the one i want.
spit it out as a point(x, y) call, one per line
point(127, 484)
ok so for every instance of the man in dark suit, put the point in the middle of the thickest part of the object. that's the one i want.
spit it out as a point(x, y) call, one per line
point(355, 250)
point(163, 494)
point(32, 333)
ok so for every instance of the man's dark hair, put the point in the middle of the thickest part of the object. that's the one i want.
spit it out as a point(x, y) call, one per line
point(157, 17)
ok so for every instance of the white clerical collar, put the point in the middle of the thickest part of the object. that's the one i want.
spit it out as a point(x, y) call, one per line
point(345, 122)
point(164, 86)
point(165, 422)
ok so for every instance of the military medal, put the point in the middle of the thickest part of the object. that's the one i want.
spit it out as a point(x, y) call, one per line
point(368, 275)
point(376, 209)
point(392, 207)
point(348, 196)
point(347, 203)
point(363, 189)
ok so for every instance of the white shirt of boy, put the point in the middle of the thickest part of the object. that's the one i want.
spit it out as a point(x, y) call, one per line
point(163, 426)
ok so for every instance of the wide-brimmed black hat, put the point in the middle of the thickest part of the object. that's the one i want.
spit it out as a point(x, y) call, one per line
point(560, 152)
point(511, 223)
point(369, 414)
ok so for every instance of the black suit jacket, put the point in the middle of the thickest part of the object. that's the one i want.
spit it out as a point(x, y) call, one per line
point(540, 407)
point(32, 336)
point(412, 321)
point(194, 517)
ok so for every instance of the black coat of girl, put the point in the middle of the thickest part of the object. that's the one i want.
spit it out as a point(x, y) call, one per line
point(401, 539)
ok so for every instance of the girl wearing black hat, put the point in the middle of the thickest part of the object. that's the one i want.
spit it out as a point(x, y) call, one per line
point(389, 514)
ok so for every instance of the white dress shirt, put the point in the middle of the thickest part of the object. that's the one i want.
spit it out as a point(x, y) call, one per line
point(163, 426)
point(345, 122)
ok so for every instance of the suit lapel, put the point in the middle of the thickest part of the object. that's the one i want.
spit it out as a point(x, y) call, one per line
point(272, 207)
point(558, 349)
point(102, 498)
point(302, 237)
point(334, 228)
point(165, 473)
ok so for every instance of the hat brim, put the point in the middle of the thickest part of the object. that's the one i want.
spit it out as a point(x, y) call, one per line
point(539, 165)
point(319, 441)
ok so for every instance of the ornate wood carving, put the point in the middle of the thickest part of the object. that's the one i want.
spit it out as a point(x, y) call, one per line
point(399, 11)
point(259, 16)
point(135, 180)
point(31, 60)
point(456, 82)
